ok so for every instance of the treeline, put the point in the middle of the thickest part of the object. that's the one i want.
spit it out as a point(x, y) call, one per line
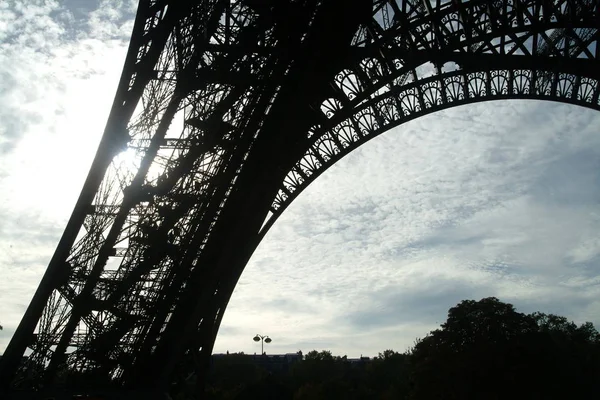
point(486, 350)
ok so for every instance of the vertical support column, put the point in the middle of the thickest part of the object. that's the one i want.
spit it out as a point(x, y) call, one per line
point(281, 142)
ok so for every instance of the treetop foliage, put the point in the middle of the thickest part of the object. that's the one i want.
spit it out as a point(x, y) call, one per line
point(484, 350)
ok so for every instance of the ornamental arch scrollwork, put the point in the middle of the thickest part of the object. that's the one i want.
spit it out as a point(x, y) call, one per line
point(424, 57)
point(437, 93)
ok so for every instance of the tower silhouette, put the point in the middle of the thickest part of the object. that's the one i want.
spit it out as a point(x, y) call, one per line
point(225, 111)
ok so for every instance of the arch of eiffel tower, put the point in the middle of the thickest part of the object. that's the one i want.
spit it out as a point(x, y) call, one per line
point(225, 111)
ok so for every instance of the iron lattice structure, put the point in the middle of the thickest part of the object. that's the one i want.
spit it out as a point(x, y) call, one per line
point(226, 110)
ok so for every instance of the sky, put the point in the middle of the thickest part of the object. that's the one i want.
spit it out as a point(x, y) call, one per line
point(492, 199)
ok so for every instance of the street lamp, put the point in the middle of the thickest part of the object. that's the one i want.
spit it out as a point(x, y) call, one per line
point(263, 340)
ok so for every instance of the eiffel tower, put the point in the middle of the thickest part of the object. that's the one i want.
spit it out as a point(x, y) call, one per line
point(225, 111)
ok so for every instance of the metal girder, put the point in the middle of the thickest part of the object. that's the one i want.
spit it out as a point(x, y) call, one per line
point(225, 112)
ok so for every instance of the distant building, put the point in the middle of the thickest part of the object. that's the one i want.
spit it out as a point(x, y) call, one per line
point(275, 362)
point(270, 362)
point(359, 362)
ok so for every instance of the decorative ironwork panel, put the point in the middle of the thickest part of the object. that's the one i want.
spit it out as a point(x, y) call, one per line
point(417, 58)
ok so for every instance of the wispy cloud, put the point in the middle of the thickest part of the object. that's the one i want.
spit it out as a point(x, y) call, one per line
point(494, 199)
point(58, 73)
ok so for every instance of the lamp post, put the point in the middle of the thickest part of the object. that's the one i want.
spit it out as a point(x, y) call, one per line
point(263, 340)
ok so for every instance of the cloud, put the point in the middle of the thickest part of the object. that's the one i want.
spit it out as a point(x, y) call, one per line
point(493, 199)
point(46, 50)
point(58, 74)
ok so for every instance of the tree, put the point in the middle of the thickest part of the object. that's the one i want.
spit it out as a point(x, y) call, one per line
point(317, 367)
point(388, 374)
point(486, 349)
point(388, 355)
point(314, 355)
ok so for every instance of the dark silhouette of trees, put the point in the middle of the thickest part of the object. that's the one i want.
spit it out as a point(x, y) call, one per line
point(485, 350)
point(314, 355)
point(388, 374)
point(233, 376)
